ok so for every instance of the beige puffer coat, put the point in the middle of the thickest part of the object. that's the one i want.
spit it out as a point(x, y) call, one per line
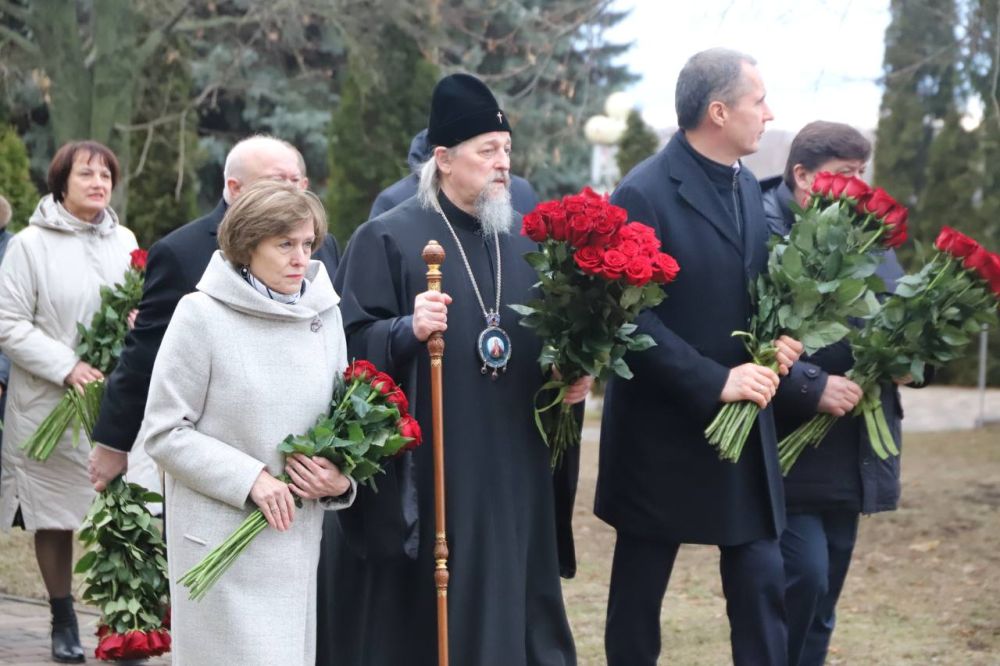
point(50, 279)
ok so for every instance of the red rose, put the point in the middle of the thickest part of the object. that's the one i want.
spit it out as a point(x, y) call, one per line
point(136, 645)
point(838, 185)
point(383, 383)
point(360, 370)
point(991, 271)
point(955, 243)
point(878, 203)
point(398, 398)
point(110, 647)
point(617, 214)
point(614, 264)
point(589, 259)
point(574, 204)
point(554, 216)
point(580, 226)
point(665, 268)
point(588, 193)
point(408, 427)
point(629, 248)
point(604, 230)
point(823, 183)
point(533, 226)
point(138, 256)
point(895, 220)
point(978, 261)
point(639, 270)
point(103, 630)
point(855, 188)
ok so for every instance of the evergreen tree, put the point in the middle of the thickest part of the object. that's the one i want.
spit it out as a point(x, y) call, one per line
point(15, 181)
point(638, 142)
point(920, 80)
point(163, 185)
point(550, 66)
point(371, 128)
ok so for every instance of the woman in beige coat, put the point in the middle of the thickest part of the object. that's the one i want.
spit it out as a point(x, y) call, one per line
point(50, 280)
point(247, 360)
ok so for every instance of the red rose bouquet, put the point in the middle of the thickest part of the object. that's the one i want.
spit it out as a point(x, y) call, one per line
point(931, 318)
point(369, 421)
point(100, 346)
point(596, 272)
point(126, 573)
point(817, 278)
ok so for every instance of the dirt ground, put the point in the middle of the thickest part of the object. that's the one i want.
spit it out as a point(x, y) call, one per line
point(924, 587)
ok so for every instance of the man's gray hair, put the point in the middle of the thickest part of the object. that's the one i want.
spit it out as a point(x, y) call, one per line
point(6, 212)
point(430, 179)
point(234, 159)
point(715, 74)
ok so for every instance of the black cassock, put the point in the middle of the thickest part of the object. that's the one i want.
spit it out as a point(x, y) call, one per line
point(377, 599)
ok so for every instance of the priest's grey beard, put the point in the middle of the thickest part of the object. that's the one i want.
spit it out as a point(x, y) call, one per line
point(493, 209)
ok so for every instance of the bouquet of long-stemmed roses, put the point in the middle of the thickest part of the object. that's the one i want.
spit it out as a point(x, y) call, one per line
point(126, 569)
point(930, 319)
point(823, 273)
point(369, 421)
point(100, 346)
point(596, 272)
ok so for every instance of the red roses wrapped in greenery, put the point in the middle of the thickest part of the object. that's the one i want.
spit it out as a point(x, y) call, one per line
point(100, 346)
point(931, 318)
point(596, 272)
point(817, 278)
point(126, 573)
point(369, 421)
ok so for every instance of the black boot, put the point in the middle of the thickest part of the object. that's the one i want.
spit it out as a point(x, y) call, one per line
point(66, 648)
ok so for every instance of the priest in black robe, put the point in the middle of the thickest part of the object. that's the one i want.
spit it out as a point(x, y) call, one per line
point(505, 598)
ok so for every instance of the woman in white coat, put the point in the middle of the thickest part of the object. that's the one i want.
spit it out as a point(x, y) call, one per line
point(247, 360)
point(50, 280)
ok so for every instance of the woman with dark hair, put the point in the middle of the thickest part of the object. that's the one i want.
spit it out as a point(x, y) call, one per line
point(248, 359)
point(49, 281)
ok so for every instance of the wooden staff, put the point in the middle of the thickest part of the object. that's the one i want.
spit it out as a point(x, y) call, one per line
point(433, 256)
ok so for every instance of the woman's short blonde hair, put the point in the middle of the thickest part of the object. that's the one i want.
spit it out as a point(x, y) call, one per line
point(266, 209)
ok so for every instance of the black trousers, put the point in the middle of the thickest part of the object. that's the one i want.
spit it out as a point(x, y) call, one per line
point(817, 548)
point(752, 581)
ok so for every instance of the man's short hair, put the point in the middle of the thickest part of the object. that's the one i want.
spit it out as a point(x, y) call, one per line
point(6, 212)
point(266, 209)
point(715, 74)
point(62, 164)
point(821, 141)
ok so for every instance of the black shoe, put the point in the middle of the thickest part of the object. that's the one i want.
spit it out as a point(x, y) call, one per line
point(66, 648)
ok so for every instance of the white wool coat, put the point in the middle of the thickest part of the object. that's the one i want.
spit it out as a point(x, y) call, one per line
point(237, 373)
point(50, 279)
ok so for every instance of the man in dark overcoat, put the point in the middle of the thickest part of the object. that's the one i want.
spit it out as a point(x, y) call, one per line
point(660, 483)
point(174, 266)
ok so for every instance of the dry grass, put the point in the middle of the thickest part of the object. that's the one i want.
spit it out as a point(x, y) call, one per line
point(924, 587)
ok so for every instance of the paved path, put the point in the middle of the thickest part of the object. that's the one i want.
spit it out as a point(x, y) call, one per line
point(24, 633)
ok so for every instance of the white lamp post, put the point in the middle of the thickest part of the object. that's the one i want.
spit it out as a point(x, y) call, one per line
point(603, 133)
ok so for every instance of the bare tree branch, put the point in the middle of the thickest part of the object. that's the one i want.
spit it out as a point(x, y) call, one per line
point(19, 40)
point(156, 37)
point(181, 144)
point(994, 100)
point(20, 13)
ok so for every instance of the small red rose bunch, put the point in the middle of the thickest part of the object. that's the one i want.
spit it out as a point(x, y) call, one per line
point(974, 257)
point(596, 272)
point(603, 242)
point(133, 644)
point(931, 319)
point(869, 204)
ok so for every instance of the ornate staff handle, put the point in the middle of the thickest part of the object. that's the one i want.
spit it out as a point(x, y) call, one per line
point(433, 256)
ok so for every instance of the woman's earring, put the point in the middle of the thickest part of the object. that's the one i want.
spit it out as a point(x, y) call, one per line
point(245, 271)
